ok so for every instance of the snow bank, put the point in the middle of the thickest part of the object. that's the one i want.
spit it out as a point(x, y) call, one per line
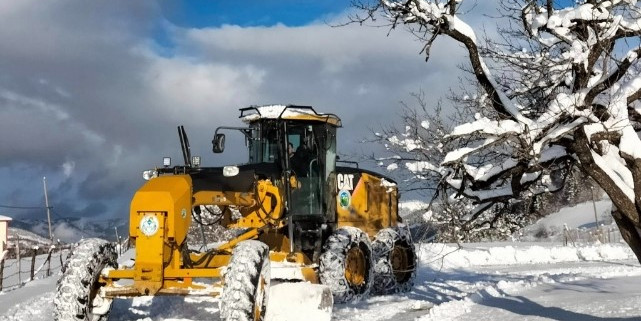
point(469, 255)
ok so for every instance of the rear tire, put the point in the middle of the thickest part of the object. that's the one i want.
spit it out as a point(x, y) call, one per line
point(246, 283)
point(395, 261)
point(77, 296)
point(346, 264)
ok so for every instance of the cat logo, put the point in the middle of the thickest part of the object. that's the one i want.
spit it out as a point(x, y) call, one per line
point(345, 181)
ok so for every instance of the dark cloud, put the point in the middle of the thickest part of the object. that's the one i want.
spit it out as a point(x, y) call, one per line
point(90, 98)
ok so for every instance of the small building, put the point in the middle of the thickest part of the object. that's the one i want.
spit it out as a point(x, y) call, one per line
point(4, 232)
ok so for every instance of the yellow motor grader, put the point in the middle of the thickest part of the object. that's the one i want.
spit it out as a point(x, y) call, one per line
point(337, 226)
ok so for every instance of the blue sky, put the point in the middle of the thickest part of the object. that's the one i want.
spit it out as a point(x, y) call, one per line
point(199, 14)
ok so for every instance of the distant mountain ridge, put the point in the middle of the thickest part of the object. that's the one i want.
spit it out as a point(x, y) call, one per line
point(72, 229)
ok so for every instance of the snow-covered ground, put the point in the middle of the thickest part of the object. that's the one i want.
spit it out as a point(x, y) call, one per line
point(495, 281)
point(485, 281)
point(453, 282)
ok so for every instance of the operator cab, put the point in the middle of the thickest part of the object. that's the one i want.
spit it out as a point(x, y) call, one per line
point(298, 145)
point(303, 144)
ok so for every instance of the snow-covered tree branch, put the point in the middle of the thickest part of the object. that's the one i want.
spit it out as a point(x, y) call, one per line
point(561, 87)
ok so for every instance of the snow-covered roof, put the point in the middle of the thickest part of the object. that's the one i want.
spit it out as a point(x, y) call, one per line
point(5, 218)
point(254, 113)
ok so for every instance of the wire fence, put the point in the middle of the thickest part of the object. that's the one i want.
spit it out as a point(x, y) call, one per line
point(30, 264)
point(18, 271)
point(600, 234)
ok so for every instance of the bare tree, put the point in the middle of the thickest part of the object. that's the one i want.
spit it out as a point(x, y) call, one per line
point(421, 141)
point(561, 89)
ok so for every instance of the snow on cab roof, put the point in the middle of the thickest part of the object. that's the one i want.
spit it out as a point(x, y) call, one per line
point(5, 218)
point(254, 113)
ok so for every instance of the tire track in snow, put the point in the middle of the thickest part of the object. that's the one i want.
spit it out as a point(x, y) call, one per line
point(36, 308)
point(443, 295)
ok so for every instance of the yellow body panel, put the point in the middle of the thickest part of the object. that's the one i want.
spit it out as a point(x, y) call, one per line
point(331, 119)
point(150, 258)
point(160, 216)
point(268, 209)
point(372, 206)
point(169, 194)
point(224, 198)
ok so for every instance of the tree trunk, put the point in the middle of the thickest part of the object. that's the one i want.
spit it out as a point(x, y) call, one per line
point(629, 232)
point(626, 214)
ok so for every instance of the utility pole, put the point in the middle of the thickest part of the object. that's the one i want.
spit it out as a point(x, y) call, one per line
point(44, 182)
point(596, 219)
point(118, 241)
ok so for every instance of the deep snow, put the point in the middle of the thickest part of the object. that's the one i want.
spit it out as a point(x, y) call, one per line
point(484, 281)
point(496, 281)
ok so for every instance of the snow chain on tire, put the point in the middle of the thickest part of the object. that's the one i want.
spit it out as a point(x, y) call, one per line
point(335, 264)
point(77, 289)
point(246, 283)
point(395, 261)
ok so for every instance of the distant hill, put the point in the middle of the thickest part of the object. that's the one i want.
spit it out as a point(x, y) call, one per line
point(28, 242)
point(72, 229)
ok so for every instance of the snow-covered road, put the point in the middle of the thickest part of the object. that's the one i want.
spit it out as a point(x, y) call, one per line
point(585, 300)
point(532, 282)
point(487, 293)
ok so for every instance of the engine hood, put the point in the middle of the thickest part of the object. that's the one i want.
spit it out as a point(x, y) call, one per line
point(212, 178)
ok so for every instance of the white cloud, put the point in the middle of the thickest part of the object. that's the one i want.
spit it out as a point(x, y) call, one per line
point(197, 89)
point(68, 167)
point(83, 81)
point(66, 233)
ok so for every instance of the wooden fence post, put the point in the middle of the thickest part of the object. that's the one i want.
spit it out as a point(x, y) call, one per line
point(1, 272)
point(49, 260)
point(18, 258)
point(33, 262)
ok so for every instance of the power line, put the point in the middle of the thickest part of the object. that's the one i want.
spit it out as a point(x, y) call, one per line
point(44, 207)
point(23, 207)
point(54, 213)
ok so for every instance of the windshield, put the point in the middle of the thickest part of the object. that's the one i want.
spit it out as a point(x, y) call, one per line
point(264, 145)
point(312, 157)
point(310, 151)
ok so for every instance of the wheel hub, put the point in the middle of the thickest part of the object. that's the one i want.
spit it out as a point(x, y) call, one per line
point(400, 263)
point(355, 266)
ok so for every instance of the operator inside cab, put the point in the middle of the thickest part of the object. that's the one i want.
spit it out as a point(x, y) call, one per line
point(300, 159)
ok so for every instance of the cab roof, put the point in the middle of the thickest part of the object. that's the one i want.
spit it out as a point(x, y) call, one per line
point(289, 112)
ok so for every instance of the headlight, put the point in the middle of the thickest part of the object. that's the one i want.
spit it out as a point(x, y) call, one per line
point(149, 174)
point(229, 171)
point(195, 161)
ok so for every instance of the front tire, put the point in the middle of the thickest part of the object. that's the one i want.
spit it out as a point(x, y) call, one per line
point(246, 283)
point(346, 264)
point(395, 261)
point(77, 296)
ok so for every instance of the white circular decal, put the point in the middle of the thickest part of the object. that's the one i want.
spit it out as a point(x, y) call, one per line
point(149, 225)
point(344, 199)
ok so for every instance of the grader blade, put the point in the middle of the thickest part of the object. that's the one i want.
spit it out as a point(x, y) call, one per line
point(290, 301)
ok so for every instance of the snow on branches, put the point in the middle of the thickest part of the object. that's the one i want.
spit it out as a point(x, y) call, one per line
point(562, 87)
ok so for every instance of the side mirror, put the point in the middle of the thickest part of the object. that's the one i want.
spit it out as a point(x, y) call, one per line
point(218, 143)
